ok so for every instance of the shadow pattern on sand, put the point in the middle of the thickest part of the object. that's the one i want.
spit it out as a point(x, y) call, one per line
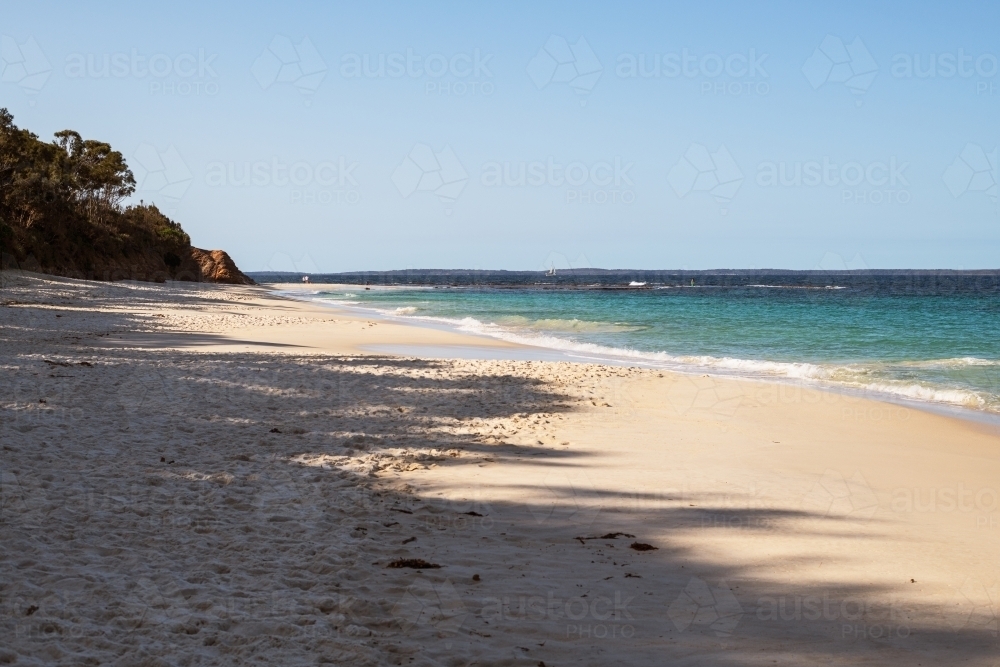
point(206, 508)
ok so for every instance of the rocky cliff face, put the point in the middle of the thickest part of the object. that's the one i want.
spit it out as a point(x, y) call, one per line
point(184, 264)
point(138, 244)
point(216, 266)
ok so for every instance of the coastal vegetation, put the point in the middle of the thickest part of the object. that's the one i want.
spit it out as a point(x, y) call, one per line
point(63, 211)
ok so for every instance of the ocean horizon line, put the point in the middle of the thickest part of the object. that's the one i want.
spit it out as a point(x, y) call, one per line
point(602, 271)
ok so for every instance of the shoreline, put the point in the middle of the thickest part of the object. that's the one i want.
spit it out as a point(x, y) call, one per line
point(541, 353)
point(223, 473)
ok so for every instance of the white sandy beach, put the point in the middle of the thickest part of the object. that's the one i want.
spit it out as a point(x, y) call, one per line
point(196, 474)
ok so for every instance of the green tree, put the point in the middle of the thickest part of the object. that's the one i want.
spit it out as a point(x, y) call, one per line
point(97, 176)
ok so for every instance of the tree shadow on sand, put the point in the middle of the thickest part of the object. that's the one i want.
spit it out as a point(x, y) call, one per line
point(252, 500)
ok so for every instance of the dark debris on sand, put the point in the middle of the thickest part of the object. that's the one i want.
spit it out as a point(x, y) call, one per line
point(415, 563)
point(606, 536)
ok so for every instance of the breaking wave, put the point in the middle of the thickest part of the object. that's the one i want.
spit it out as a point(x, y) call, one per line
point(872, 378)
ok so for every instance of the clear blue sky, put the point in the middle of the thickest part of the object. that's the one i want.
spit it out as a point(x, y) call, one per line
point(669, 137)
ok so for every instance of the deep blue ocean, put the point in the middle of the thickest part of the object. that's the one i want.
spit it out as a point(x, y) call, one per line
point(931, 345)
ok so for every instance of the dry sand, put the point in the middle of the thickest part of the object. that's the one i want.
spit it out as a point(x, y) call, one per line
point(214, 475)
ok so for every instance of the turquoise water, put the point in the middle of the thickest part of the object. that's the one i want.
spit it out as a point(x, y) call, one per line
point(939, 348)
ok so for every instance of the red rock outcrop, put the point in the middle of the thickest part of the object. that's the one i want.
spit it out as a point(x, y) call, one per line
point(217, 266)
